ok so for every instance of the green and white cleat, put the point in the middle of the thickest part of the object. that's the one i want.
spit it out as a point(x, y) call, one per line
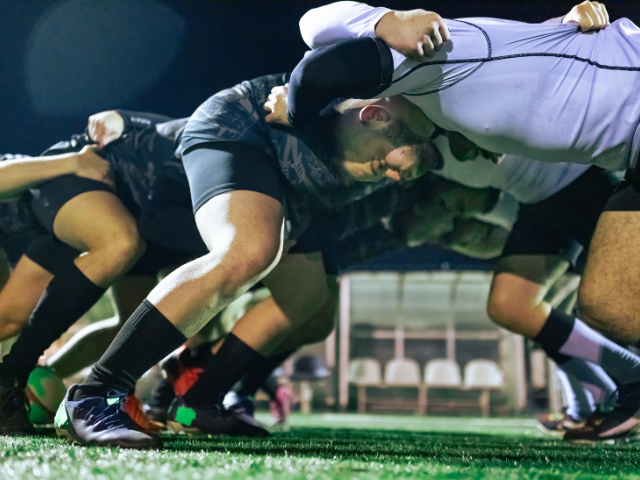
point(101, 421)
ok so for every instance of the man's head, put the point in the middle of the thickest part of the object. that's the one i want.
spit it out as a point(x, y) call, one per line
point(384, 138)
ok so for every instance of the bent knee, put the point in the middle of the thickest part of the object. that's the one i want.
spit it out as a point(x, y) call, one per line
point(122, 251)
point(501, 308)
point(246, 267)
point(11, 324)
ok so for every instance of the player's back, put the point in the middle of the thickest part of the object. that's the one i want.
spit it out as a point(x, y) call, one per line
point(543, 91)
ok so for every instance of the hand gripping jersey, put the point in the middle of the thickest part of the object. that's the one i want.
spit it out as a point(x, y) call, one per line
point(542, 91)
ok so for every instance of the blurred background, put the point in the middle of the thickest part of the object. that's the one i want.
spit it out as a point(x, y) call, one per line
point(414, 335)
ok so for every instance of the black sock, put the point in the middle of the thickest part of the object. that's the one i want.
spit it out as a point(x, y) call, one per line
point(145, 339)
point(69, 296)
point(555, 332)
point(259, 371)
point(227, 366)
point(197, 356)
point(567, 335)
point(270, 386)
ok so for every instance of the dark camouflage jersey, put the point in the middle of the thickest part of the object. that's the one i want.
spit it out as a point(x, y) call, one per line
point(237, 114)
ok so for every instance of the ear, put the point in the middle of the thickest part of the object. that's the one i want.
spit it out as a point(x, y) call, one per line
point(374, 115)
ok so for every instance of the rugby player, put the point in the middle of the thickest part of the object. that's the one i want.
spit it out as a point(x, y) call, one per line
point(62, 205)
point(19, 227)
point(463, 89)
point(239, 170)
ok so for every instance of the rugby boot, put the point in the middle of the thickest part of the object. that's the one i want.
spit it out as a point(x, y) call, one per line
point(101, 421)
point(588, 432)
point(557, 424)
point(621, 420)
point(618, 422)
point(212, 420)
point(14, 409)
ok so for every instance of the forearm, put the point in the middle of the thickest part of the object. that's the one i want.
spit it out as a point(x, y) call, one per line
point(339, 21)
point(16, 176)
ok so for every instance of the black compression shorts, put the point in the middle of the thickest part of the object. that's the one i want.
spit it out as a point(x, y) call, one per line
point(564, 222)
point(220, 167)
point(51, 254)
point(49, 197)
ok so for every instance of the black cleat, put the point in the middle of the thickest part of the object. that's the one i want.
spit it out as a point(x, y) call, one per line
point(14, 410)
point(212, 420)
point(101, 421)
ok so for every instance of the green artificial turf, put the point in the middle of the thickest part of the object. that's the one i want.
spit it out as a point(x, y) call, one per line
point(335, 446)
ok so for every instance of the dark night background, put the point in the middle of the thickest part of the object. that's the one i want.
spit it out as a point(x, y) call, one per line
point(63, 60)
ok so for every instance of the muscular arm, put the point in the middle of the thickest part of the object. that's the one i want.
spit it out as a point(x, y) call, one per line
point(19, 175)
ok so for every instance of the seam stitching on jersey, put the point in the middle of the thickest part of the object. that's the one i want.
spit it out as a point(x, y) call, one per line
point(482, 61)
point(443, 62)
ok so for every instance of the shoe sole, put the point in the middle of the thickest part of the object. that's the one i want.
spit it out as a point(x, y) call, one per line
point(621, 430)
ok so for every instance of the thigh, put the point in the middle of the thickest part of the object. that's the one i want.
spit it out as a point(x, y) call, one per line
point(610, 289)
point(518, 290)
point(50, 197)
point(92, 219)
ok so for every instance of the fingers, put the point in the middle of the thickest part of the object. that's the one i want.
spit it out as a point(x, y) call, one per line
point(435, 34)
point(590, 16)
point(444, 32)
point(597, 17)
point(436, 38)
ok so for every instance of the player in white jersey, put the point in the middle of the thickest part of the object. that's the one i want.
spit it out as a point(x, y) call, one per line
point(543, 91)
point(528, 89)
